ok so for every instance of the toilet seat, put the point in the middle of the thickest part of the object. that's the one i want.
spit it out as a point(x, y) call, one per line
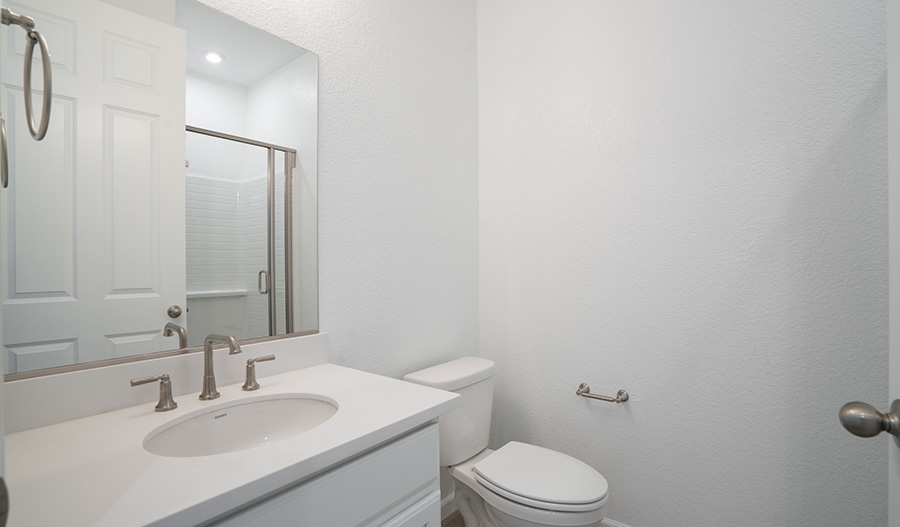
point(537, 504)
point(542, 478)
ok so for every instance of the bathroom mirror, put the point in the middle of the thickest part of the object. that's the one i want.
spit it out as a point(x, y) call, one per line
point(174, 195)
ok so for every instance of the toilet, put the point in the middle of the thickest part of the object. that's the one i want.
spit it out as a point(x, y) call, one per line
point(517, 485)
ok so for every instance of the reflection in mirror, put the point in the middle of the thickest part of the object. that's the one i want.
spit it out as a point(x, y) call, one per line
point(172, 195)
point(237, 225)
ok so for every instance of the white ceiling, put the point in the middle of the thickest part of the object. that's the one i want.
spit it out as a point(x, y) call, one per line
point(250, 53)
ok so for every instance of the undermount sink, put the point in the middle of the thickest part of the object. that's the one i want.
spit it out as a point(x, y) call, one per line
point(240, 425)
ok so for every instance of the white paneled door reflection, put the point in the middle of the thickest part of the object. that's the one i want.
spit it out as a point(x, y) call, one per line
point(92, 228)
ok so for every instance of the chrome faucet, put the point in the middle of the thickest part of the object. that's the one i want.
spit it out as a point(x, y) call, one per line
point(209, 376)
point(173, 328)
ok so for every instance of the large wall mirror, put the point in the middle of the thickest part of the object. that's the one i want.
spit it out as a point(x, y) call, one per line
point(174, 195)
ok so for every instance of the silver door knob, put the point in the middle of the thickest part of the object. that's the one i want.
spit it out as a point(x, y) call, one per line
point(865, 421)
point(174, 311)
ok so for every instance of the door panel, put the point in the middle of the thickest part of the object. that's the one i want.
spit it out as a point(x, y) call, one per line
point(131, 143)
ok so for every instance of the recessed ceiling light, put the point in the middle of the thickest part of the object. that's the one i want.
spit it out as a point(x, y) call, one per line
point(214, 57)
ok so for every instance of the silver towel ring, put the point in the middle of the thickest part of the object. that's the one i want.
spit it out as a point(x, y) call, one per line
point(7, 17)
point(36, 38)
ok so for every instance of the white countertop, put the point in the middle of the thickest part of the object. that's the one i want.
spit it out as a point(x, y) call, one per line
point(94, 471)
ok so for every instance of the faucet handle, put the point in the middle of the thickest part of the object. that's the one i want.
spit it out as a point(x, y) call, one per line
point(166, 402)
point(250, 383)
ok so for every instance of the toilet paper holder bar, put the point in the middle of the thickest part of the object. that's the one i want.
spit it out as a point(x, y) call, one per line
point(585, 391)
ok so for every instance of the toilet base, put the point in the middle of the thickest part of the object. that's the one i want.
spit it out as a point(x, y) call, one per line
point(471, 507)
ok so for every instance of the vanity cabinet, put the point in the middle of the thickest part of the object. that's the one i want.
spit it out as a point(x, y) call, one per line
point(393, 485)
point(373, 463)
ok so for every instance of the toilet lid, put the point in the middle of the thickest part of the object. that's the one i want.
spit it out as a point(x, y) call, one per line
point(542, 475)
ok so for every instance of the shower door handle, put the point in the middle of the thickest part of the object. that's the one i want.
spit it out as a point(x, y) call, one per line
point(263, 290)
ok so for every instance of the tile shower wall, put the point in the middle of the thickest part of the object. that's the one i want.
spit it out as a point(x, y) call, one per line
point(227, 240)
point(216, 297)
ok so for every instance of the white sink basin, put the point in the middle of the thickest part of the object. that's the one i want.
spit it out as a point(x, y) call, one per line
point(239, 425)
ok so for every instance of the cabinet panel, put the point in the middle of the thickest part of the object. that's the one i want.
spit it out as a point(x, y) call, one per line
point(425, 513)
point(376, 485)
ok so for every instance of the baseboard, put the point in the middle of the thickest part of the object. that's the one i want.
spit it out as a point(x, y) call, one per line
point(448, 506)
point(611, 523)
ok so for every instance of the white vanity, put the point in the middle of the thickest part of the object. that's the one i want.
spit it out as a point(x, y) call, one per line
point(373, 462)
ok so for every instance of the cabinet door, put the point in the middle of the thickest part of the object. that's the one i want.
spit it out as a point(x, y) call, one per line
point(425, 513)
point(371, 490)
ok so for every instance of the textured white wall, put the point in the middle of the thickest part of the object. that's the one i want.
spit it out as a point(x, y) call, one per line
point(397, 186)
point(688, 200)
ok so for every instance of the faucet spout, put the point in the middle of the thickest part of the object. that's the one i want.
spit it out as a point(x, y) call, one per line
point(209, 376)
point(173, 328)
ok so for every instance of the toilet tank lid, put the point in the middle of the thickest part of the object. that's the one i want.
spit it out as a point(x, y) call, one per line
point(453, 375)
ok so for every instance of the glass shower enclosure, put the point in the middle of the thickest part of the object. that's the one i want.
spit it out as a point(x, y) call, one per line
point(238, 236)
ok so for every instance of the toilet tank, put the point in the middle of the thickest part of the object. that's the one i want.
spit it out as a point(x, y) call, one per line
point(464, 431)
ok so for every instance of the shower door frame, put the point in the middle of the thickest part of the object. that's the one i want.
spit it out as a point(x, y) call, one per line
point(290, 162)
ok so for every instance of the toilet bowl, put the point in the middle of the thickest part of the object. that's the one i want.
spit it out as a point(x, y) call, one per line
point(518, 485)
point(482, 503)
